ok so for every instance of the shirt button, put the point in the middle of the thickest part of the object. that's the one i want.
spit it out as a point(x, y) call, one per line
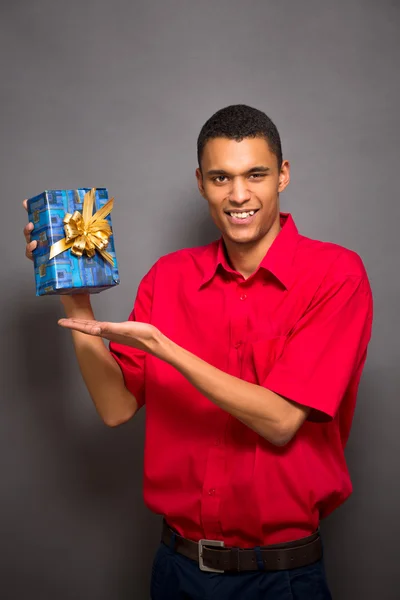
point(243, 296)
point(238, 344)
point(217, 442)
point(211, 492)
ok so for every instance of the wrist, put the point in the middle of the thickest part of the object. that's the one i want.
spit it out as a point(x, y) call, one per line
point(77, 306)
point(162, 347)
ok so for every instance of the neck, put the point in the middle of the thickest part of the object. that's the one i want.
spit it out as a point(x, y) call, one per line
point(246, 258)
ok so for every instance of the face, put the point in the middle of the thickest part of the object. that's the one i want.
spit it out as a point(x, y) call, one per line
point(241, 183)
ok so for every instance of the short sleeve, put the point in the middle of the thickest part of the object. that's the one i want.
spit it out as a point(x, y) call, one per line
point(326, 348)
point(131, 360)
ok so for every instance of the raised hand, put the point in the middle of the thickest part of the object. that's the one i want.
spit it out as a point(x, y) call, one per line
point(30, 246)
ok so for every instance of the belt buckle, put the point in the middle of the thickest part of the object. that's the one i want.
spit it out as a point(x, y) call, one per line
point(202, 543)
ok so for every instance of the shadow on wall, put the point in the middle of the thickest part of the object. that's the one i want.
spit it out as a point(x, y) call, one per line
point(343, 528)
point(98, 470)
point(92, 454)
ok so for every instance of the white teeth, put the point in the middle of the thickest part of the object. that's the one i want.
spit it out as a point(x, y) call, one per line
point(242, 215)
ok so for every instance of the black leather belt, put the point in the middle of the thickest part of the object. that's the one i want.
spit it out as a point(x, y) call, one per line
point(212, 555)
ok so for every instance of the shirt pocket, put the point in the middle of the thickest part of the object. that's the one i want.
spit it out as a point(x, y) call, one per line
point(264, 354)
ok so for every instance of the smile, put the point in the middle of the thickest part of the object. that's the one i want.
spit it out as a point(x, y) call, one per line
point(242, 217)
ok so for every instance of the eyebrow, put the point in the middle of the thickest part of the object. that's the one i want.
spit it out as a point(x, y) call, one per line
point(259, 169)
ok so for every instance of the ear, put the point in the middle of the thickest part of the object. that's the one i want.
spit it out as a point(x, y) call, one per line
point(200, 185)
point(284, 176)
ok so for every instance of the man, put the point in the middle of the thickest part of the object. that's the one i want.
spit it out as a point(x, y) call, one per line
point(248, 354)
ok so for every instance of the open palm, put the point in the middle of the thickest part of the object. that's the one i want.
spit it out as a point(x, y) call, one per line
point(129, 333)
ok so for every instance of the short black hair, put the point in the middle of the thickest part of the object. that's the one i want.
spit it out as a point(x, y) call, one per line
point(237, 122)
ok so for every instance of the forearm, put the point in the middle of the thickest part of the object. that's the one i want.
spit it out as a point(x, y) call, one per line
point(100, 372)
point(268, 414)
point(273, 417)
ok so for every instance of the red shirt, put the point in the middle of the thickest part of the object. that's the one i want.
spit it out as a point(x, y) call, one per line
point(299, 326)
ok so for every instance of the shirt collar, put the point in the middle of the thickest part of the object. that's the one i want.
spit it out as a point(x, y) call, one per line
point(278, 260)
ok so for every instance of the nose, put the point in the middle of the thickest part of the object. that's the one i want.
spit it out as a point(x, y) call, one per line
point(239, 192)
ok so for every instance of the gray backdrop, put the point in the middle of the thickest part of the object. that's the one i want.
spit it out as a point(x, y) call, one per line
point(114, 94)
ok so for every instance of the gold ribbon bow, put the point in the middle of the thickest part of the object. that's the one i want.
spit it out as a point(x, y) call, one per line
point(86, 232)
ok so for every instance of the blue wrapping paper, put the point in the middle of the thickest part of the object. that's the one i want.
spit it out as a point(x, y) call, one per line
point(66, 273)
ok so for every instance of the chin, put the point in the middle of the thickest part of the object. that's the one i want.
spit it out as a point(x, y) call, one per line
point(245, 238)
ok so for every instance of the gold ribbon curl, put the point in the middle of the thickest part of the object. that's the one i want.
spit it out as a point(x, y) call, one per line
point(86, 232)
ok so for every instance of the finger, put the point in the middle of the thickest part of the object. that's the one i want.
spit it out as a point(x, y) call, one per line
point(80, 322)
point(27, 231)
point(88, 329)
point(31, 246)
point(92, 327)
point(25, 204)
point(84, 326)
point(104, 325)
point(29, 249)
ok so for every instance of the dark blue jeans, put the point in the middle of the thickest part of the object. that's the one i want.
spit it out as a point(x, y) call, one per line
point(175, 577)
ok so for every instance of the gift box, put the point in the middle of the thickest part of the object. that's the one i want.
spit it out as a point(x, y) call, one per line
point(75, 250)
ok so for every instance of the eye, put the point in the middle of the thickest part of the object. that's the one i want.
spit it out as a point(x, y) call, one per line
point(219, 178)
point(257, 175)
